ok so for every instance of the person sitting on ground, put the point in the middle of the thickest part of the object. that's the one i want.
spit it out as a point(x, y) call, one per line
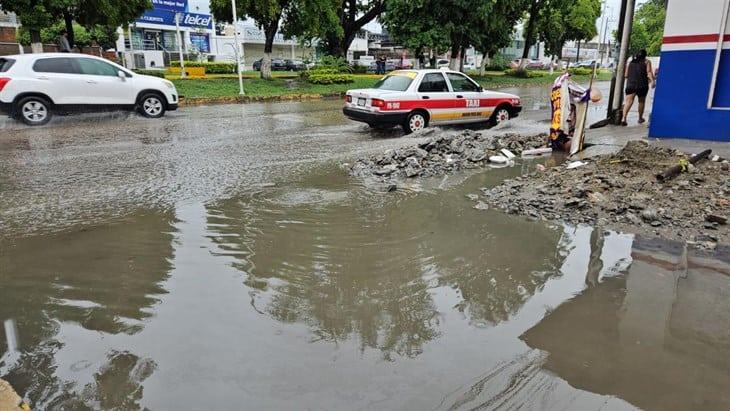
point(563, 98)
point(639, 74)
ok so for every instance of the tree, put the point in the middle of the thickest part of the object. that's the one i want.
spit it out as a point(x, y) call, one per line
point(105, 36)
point(648, 30)
point(352, 16)
point(529, 31)
point(496, 28)
point(39, 14)
point(414, 24)
point(34, 15)
point(266, 13)
point(558, 21)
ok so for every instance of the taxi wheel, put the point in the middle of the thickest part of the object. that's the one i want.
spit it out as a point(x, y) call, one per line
point(500, 115)
point(416, 121)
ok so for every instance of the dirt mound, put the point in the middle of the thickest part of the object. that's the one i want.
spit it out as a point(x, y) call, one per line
point(621, 191)
point(443, 153)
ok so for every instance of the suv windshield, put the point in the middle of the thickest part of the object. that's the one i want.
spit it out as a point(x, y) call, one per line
point(5, 64)
point(395, 82)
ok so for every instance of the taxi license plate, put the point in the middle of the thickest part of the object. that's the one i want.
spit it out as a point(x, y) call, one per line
point(361, 102)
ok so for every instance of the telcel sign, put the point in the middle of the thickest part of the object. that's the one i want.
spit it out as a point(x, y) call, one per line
point(167, 18)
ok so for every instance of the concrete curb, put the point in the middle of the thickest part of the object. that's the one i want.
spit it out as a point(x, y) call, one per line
point(202, 101)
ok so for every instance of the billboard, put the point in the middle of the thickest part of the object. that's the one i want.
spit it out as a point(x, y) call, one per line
point(173, 5)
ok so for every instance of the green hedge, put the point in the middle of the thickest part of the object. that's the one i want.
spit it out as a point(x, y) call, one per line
point(210, 67)
point(581, 71)
point(330, 78)
point(317, 71)
point(524, 73)
point(154, 73)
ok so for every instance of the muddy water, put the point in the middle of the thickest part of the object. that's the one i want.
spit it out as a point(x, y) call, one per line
point(283, 284)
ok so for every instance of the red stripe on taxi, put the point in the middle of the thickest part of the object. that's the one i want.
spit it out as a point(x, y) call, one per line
point(442, 103)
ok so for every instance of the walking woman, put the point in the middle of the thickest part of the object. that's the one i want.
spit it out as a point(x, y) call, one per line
point(639, 75)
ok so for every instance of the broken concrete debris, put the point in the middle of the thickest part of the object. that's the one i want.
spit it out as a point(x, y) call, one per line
point(445, 152)
point(621, 191)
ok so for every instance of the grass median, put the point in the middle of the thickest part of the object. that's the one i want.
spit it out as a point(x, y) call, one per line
point(226, 86)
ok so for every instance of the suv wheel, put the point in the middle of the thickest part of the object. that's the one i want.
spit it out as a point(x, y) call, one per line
point(416, 121)
point(34, 111)
point(152, 105)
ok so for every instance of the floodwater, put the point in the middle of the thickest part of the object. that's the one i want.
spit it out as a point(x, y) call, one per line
point(233, 264)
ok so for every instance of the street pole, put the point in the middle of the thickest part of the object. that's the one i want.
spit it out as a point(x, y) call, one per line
point(238, 48)
point(622, 57)
point(179, 45)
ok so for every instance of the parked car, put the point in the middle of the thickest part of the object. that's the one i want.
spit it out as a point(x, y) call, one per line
point(442, 63)
point(401, 64)
point(415, 99)
point(35, 86)
point(276, 65)
point(295, 65)
point(587, 63)
point(531, 64)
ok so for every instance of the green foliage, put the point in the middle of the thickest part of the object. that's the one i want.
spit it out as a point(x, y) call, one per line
point(37, 15)
point(416, 24)
point(210, 67)
point(338, 64)
point(581, 71)
point(648, 30)
point(330, 78)
point(83, 37)
point(358, 69)
point(154, 73)
point(340, 20)
point(559, 21)
point(498, 62)
point(522, 73)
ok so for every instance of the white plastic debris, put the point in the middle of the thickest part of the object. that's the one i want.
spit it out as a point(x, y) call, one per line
point(716, 158)
point(498, 159)
point(507, 153)
point(537, 151)
point(575, 164)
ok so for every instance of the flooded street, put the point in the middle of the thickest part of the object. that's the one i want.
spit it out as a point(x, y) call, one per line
point(222, 258)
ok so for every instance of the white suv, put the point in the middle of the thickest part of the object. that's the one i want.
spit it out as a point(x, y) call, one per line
point(33, 86)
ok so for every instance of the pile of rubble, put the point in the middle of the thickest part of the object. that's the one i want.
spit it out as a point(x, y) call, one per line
point(444, 153)
point(622, 191)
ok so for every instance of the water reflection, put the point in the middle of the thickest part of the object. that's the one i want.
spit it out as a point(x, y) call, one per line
point(657, 336)
point(351, 263)
point(93, 282)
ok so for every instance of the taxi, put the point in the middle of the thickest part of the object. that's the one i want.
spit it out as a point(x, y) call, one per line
point(415, 99)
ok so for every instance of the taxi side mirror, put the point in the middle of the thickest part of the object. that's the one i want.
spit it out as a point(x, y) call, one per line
point(480, 89)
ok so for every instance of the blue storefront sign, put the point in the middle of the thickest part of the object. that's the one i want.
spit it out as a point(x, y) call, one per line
point(174, 5)
point(167, 18)
point(201, 41)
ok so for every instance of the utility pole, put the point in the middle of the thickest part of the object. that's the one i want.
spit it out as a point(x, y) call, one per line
point(622, 57)
point(238, 48)
point(179, 45)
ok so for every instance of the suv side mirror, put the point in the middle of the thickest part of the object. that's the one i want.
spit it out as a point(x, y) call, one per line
point(121, 75)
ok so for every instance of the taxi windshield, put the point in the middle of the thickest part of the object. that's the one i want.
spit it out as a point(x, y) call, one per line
point(395, 82)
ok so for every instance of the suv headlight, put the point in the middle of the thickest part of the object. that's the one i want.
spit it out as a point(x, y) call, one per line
point(169, 84)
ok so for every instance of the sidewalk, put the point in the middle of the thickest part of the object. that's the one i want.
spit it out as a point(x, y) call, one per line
point(611, 139)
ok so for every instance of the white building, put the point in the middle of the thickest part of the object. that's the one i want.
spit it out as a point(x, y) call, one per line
point(152, 40)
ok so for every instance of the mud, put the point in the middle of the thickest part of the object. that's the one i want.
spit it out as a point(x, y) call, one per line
point(621, 191)
point(442, 153)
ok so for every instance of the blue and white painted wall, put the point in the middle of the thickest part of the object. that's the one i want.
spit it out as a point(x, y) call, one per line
point(692, 98)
